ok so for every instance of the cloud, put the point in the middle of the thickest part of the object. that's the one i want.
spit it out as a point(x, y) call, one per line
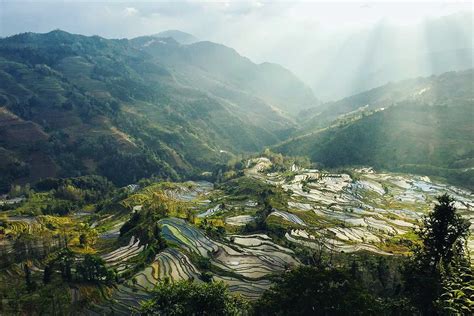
point(129, 11)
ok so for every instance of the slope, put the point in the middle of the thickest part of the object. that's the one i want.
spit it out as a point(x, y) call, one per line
point(104, 105)
point(423, 126)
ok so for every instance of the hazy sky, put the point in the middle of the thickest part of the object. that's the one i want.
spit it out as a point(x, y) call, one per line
point(287, 32)
point(222, 21)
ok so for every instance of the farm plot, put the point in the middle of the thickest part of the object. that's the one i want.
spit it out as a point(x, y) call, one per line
point(188, 237)
point(118, 258)
point(125, 301)
point(249, 259)
point(364, 211)
point(239, 220)
point(170, 263)
point(243, 259)
point(330, 243)
point(250, 290)
point(190, 191)
point(292, 218)
point(210, 211)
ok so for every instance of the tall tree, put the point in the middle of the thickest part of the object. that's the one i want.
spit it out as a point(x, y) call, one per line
point(48, 271)
point(440, 256)
point(28, 281)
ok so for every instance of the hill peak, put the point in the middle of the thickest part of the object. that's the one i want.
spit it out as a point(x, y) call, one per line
point(179, 36)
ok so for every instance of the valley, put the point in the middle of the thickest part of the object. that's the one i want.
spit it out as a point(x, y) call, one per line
point(240, 231)
point(164, 175)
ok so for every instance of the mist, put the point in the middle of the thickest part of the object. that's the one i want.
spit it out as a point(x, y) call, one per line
point(338, 49)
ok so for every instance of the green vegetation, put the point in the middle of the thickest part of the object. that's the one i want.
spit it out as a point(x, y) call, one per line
point(321, 291)
point(82, 105)
point(428, 134)
point(95, 135)
point(52, 196)
point(129, 241)
point(439, 275)
point(437, 279)
point(188, 298)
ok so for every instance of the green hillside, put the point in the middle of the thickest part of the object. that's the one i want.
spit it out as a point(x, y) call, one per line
point(428, 132)
point(221, 71)
point(86, 105)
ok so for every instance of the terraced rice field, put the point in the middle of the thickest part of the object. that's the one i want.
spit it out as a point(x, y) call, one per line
point(239, 220)
point(250, 260)
point(170, 263)
point(191, 192)
point(250, 290)
point(339, 213)
point(118, 258)
point(303, 238)
point(210, 211)
point(289, 217)
point(251, 257)
point(244, 260)
point(361, 213)
point(187, 237)
point(124, 302)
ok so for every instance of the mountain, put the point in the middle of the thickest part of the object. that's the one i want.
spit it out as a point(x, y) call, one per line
point(86, 105)
point(345, 63)
point(178, 36)
point(449, 88)
point(221, 71)
point(423, 126)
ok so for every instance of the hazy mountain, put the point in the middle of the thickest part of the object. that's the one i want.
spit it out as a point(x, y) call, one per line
point(179, 36)
point(448, 88)
point(345, 63)
point(93, 105)
point(221, 71)
point(423, 125)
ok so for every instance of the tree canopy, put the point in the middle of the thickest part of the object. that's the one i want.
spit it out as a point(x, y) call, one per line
point(192, 298)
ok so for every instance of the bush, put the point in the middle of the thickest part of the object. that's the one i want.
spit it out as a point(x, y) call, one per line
point(189, 298)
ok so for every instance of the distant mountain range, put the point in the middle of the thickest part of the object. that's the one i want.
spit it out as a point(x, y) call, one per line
point(72, 104)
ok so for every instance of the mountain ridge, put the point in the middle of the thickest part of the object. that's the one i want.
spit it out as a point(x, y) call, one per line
point(422, 125)
point(106, 105)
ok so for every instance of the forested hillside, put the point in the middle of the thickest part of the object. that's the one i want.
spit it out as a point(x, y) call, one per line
point(72, 105)
point(423, 126)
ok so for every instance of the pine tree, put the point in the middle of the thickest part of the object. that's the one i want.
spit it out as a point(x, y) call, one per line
point(441, 255)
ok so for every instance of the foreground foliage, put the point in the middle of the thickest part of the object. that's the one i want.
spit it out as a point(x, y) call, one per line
point(439, 276)
point(190, 298)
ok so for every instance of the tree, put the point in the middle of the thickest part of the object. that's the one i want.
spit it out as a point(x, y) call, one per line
point(190, 298)
point(93, 268)
point(457, 294)
point(48, 271)
point(206, 276)
point(317, 291)
point(88, 236)
point(65, 259)
point(28, 281)
point(83, 240)
point(441, 255)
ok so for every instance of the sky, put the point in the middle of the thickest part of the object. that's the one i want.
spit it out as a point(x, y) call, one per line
point(222, 21)
point(285, 32)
